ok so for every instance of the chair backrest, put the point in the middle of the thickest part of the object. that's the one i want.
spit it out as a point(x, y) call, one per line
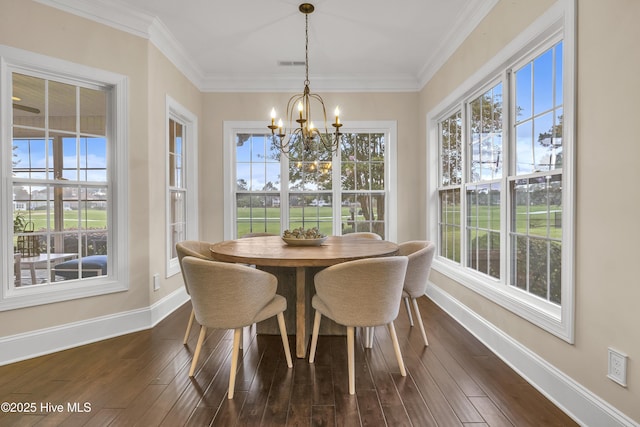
point(420, 254)
point(194, 248)
point(363, 292)
point(362, 235)
point(226, 295)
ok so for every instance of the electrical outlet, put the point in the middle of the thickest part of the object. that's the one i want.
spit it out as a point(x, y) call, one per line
point(617, 367)
point(156, 282)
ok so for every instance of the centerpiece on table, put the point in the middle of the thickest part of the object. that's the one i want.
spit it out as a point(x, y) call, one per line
point(302, 237)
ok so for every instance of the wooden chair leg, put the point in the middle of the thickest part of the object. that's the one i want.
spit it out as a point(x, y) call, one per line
point(314, 336)
point(351, 359)
point(406, 304)
point(396, 347)
point(241, 339)
point(196, 354)
point(420, 322)
point(237, 336)
point(285, 339)
point(369, 334)
point(189, 325)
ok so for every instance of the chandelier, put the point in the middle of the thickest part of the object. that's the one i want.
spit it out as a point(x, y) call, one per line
point(299, 110)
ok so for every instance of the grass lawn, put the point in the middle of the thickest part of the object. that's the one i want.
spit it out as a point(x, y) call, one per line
point(91, 219)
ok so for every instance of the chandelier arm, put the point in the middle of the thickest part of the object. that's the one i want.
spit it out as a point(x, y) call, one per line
point(324, 110)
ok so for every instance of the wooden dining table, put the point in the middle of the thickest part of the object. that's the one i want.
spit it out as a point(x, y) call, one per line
point(295, 267)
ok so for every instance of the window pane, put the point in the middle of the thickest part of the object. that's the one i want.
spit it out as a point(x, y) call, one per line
point(555, 282)
point(485, 144)
point(537, 230)
point(93, 152)
point(257, 213)
point(272, 177)
point(558, 74)
point(93, 112)
point(519, 257)
point(483, 217)
point(450, 224)
point(524, 148)
point(450, 150)
point(69, 155)
point(523, 93)
point(243, 148)
point(543, 83)
point(28, 108)
point(362, 147)
point(29, 156)
point(348, 176)
point(62, 106)
point(543, 148)
point(538, 267)
point(258, 148)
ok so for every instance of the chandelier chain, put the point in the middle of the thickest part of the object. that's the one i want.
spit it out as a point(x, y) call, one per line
point(306, 133)
point(306, 48)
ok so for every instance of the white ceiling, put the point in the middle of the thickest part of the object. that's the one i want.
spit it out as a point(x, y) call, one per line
point(359, 45)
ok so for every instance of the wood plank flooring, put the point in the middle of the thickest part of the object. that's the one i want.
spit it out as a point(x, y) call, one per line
point(141, 379)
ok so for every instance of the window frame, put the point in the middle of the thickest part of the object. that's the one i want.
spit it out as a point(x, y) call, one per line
point(558, 22)
point(116, 280)
point(177, 112)
point(231, 128)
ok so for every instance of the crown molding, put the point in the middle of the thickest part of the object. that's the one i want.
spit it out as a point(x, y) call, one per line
point(276, 83)
point(117, 15)
point(111, 13)
point(163, 39)
point(467, 22)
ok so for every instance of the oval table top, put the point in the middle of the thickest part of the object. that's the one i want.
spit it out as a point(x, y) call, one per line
point(274, 252)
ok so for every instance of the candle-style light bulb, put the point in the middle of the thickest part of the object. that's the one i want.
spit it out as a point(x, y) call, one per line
point(280, 126)
point(337, 112)
point(300, 108)
point(273, 116)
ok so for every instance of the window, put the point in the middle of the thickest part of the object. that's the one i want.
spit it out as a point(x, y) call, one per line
point(257, 192)
point(182, 207)
point(536, 180)
point(63, 143)
point(342, 193)
point(505, 142)
point(483, 183)
point(450, 132)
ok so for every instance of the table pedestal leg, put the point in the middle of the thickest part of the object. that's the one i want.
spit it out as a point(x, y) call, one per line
point(302, 335)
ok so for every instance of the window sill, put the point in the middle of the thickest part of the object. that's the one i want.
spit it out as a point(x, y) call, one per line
point(29, 296)
point(543, 314)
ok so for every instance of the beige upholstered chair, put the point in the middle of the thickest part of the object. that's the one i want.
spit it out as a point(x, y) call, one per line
point(362, 235)
point(231, 296)
point(420, 254)
point(196, 249)
point(361, 293)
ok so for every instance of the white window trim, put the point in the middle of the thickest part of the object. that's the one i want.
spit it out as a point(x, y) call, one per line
point(117, 278)
point(174, 110)
point(556, 320)
point(389, 128)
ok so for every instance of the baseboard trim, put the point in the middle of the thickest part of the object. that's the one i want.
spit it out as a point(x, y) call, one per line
point(50, 340)
point(582, 405)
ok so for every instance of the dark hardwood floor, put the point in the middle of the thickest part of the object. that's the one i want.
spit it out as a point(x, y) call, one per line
point(142, 379)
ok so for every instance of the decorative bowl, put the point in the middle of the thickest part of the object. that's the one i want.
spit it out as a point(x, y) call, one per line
point(304, 242)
